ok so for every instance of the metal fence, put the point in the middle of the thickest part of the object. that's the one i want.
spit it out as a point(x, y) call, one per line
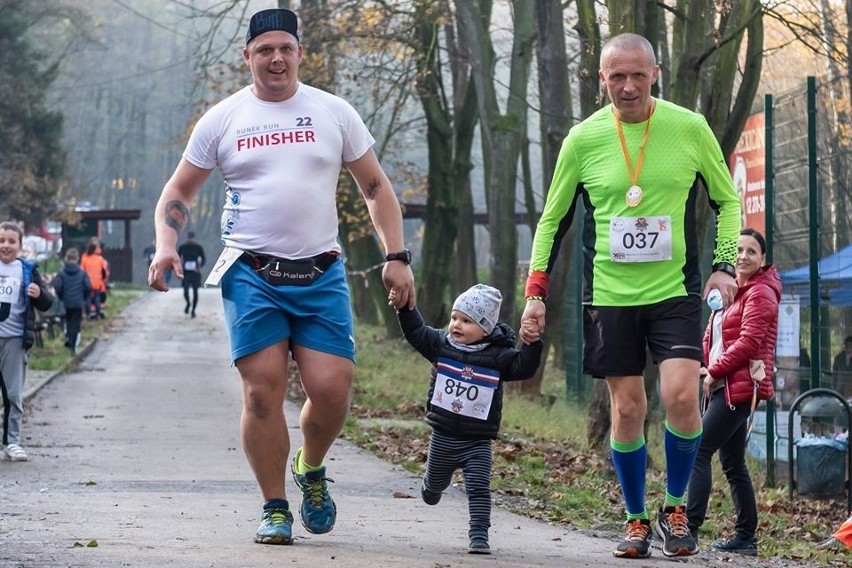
point(811, 166)
point(808, 173)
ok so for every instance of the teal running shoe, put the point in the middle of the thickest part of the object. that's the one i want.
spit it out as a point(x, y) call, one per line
point(276, 524)
point(318, 511)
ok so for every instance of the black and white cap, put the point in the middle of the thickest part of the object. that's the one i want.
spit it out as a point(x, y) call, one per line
point(481, 303)
point(274, 19)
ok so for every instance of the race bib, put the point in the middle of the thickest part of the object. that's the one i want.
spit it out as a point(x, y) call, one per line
point(190, 265)
point(10, 289)
point(640, 239)
point(228, 257)
point(465, 389)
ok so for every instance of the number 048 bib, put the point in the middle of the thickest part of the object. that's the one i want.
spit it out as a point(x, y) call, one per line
point(465, 389)
point(640, 239)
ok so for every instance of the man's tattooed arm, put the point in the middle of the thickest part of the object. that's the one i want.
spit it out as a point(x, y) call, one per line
point(177, 215)
point(373, 188)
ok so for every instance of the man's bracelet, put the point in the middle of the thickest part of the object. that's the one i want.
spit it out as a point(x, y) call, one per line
point(539, 298)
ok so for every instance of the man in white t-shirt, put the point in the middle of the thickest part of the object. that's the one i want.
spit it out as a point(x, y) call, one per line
point(280, 145)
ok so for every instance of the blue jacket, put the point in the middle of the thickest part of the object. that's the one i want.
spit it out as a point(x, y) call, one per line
point(42, 303)
point(72, 286)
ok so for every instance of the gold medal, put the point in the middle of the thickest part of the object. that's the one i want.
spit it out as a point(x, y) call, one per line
point(633, 196)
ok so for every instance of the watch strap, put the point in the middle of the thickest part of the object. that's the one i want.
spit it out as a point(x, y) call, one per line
point(725, 267)
point(403, 256)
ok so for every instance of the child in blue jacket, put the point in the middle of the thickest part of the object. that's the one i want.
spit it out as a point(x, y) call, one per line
point(21, 293)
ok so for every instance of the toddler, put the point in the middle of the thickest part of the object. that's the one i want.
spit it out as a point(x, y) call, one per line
point(470, 359)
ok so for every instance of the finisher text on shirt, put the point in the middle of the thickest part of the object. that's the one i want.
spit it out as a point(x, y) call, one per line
point(275, 139)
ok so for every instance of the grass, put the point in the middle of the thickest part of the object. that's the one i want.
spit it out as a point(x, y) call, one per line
point(52, 354)
point(543, 467)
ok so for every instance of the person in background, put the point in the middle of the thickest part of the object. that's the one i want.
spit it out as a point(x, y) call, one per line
point(94, 264)
point(22, 291)
point(841, 368)
point(283, 282)
point(639, 166)
point(739, 349)
point(192, 258)
point(73, 287)
point(471, 359)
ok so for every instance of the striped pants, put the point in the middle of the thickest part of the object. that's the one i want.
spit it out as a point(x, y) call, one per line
point(474, 457)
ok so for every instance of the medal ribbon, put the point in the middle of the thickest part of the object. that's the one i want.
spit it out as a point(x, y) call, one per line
point(634, 175)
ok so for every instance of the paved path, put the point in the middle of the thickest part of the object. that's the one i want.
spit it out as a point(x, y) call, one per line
point(137, 451)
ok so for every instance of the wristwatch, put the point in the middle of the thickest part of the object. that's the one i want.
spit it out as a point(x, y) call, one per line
point(403, 256)
point(725, 267)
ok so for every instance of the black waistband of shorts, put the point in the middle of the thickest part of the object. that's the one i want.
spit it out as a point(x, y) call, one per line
point(258, 261)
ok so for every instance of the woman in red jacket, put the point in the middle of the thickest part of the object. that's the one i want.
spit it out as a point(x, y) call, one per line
point(739, 351)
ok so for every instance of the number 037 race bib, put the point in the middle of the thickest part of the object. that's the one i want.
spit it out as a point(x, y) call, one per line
point(640, 239)
point(465, 389)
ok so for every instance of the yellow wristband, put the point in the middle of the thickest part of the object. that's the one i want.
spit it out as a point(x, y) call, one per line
point(539, 298)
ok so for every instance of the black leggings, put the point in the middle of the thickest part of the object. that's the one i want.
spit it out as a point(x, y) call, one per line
point(446, 455)
point(725, 432)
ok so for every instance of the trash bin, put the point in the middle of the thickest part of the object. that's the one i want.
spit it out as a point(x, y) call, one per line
point(821, 467)
point(823, 460)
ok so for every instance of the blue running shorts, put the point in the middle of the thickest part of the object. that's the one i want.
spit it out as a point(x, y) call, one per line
point(259, 314)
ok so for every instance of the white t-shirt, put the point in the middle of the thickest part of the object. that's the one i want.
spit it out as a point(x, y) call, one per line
point(12, 293)
point(281, 162)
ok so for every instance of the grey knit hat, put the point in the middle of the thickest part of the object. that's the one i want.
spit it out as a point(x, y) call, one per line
point(480, 303)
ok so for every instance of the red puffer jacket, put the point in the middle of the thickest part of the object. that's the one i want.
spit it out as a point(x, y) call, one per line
point(749, 331)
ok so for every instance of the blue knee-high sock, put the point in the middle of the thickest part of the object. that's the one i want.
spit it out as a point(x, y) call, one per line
point(681, 450)
point(630, 461)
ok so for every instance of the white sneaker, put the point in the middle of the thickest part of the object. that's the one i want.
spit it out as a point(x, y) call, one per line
point(16, 453)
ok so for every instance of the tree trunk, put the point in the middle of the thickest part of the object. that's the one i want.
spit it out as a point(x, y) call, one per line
point(690, 32)
point(442, 201)
point(836, 167)
point(555, 104)
point(597, 428)
point(849, 47)
point(501, 134)
point(466, 119)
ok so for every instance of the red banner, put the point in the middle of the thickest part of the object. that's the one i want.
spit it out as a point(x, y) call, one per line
point(747, 163)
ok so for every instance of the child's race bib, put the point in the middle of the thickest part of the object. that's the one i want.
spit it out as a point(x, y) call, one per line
point(465, 389)
point(10, 289)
